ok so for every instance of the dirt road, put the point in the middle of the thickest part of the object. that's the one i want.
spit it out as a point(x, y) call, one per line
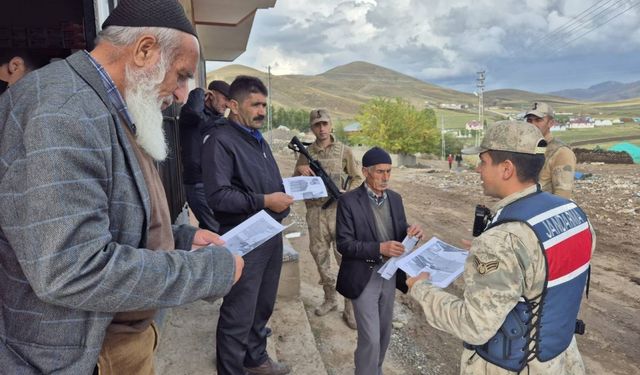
point(443, 203)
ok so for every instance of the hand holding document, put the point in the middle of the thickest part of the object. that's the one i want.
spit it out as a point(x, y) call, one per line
point(305, 187)
point(251, 233)
point(391, 266)
point(443, 262)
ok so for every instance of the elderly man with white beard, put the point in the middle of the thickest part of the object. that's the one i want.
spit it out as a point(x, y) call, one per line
point(87, 249)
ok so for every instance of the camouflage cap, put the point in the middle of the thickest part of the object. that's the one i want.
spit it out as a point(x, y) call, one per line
point(512, 136)
point(541, 109)
point(319, 115)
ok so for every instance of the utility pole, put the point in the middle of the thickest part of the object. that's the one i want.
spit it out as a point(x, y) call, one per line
point(269, 106)
point(442, 134)
point(480, 86)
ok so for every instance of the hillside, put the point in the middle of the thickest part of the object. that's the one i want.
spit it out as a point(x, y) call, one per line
point(604, 92)
point(522, 99)
point(345, 88)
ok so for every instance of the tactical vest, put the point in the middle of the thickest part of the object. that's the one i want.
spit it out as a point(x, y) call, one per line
point(543, 327)
point(332, 161)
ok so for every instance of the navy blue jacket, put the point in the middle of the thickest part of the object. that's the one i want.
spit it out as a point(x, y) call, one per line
point(237, 171)
point(357, 240)
point(194, 116)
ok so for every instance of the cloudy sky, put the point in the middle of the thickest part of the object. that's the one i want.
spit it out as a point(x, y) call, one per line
point(534, 45)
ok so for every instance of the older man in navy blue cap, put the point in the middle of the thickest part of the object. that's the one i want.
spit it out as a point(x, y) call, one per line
point(370, 227)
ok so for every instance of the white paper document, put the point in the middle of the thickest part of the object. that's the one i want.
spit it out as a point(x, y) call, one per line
point(391, 266)
point(443, 262)
point(305, 187)
point(251, 233)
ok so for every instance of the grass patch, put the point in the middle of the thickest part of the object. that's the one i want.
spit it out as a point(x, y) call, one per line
point(579, 135)
point(457, 119)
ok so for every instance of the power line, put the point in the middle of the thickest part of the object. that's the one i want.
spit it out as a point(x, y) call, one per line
point(602, 24)
point(575, 20)
point(589, 24)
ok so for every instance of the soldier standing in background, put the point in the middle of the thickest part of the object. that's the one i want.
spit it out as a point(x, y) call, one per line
point(560, 162)
point(338, 161)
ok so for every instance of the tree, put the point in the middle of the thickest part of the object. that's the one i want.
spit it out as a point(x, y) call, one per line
point(452, 145)
point(398, 127)
point(291, 118)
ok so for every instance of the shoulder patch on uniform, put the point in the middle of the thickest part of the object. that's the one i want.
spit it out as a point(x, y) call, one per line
point(485, 267)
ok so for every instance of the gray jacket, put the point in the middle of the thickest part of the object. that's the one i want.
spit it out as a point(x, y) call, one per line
point(74, 217)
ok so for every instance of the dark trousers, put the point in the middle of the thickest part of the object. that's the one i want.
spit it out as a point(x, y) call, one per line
point(200, 208)
point(241, 337)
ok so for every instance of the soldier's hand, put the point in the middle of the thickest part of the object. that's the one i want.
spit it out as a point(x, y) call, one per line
point(391, 249)
point(414, 230)
point(466, 244)
point(422, 276)
point(239, 267)
point(277, 202)
point(305, 170)
point(204, 238)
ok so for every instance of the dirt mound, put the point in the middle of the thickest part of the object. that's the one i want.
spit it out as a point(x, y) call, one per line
point(279, 138)
point(598, 155)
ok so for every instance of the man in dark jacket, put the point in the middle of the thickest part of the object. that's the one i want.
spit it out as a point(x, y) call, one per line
point(370, 226)
point(200, 112)
point(241, 178)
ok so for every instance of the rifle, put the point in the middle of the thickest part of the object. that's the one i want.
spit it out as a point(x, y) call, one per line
point(316, 167)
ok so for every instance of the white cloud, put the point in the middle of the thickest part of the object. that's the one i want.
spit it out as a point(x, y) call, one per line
point(443, 40)
point(281, 63)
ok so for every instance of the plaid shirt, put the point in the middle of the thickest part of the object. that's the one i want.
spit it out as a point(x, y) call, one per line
point(113, 93)
point(374, 197)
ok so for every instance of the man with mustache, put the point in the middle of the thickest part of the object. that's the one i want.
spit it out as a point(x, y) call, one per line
point(370, 227)
point(87, 248)
point(241, 177)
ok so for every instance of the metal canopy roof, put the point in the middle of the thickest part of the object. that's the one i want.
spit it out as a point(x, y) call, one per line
point(223, 26)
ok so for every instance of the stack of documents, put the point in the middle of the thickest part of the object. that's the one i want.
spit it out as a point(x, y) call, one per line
point(304, 187)
point(443, 262)
point(251, 233)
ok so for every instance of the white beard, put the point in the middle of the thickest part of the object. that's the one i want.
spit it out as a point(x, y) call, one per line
point(145, 108)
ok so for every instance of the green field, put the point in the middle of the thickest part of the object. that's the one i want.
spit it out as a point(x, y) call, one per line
point(578, 135)
point(606, 145)
point(457, 119)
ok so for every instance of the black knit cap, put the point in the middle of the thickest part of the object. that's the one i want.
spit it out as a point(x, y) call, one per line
point(220, 86)
point(375, 156)
point(150, 13)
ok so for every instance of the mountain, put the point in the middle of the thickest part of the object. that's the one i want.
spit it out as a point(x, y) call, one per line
point(609, 91)
point(343, 89)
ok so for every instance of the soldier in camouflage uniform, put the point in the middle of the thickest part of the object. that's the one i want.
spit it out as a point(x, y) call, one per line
point(505, 263)
point(338, 161)
point(560, 162)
